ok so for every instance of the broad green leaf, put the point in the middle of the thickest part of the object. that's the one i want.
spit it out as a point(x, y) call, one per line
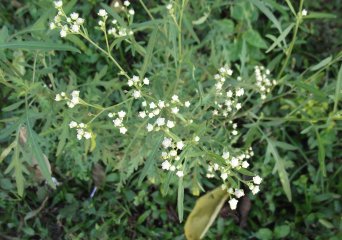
point(201, 19)
point(321, 64)
point(253, 38)
point(280, 232)
point(204, 213)
point(281, 38)
point(36, 45)
point(280, 167)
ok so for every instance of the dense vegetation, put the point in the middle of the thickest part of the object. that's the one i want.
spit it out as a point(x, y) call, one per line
point(251, 84)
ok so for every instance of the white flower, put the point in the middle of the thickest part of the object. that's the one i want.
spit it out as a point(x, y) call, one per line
point(87, 135)
point(225, 155)
point(131, 12)
point(167, 142)
point(79, 136)
point(136, 94)
point(161, 104)
point(72, 124)
point(175, 98)
point(196, 138)
point(52, 25)
point(135, 79)
point(75, 28)
point(245, 164)
point(142, 114)
point(74, 16)
point(238, 106)
point(58, 98)
point(123, 130)
point(175, 110)
point(172, 168)
point(130, 82)
point(160, 121)
point(180, 145)
point(304, 12)
point(151, 115)
point(234, 162)
point(102, 13)
point(116, 4)
point(173, 153)
point(70, 104)
point(149, 127)
point(153, 105)
point(63, 33)
point(257, 179)
point(234, 132)
point(146, 81)
point(166, 165)
point(144, 104)
point(240, 92)
point(255, 189)
point(58, 4)
point(80, 21)
point(82, 125)
point(229, 72)
point(156, 111)
point(170, 124)
point(187, 104)
point(180, 173)
point(239, 193)
point(126, 3)
point(224, 176)
point(117, 122)
point(110, 115)
point(121, 114)
point(169, 6)
point(233, 203)
point(229, 94)
point(101, 23)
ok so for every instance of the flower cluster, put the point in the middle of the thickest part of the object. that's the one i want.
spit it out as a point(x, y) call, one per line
point(227, 100)
point(153, 110)
point(66, 24)
point(263, 82)
point(81, 130)
point(137, 83)
point(170, 155)
point(118, 121)
point(72, 100)
point(227, 170)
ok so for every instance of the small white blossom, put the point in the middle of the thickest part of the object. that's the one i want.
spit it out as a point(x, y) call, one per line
point(146, 81)
point(173, 153)
point(74, 16)
point(127, 3)
point(234, 162)
point(142, 114)
point(75, 28)
point(245, 164)
point(161, 104)
point(239, 193)
point(187, 104)
point(131, 12)
point(225, 155)
point(196, 138)
point(121, 114)
point(175, 110)
point(255, 190)
point(160, 121)
point(175, 98)
point(117, 122)
point(123, 130)
point(153, 105)
point(257, 180)
point(167, 142)
point(58, 4)
point(58, 98)
point(169, 6)
point(87, 135)
point(52, 25)
point(234, 132)
point(102, 13)
point(80, 21)
point(304, 12)
point(238, 106)
point(172, 168)
point(72, 124)
point(170, 124)
point(233, 203)
point(180, 173)
point(136, 94)
point(166, 165)
point(224, 176)
point(63, 33)
point(180, 145)
point(149, 127)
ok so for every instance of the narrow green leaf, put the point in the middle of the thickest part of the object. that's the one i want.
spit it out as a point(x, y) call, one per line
point(314, 15)
point(321, 64)
point(321, 154)
point(36, 45)
point(291, 7)
point(38, 154)
point(281, 38)
point(180, 200)
point(263, 8)
point(7, 150)
point(338, 89)
point(149, 52)
point(245, 172)
point(280, 166)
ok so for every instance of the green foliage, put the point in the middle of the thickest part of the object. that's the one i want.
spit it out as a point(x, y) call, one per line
point(294, 132)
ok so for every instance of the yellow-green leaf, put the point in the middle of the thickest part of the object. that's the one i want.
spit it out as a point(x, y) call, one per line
point(204, 213)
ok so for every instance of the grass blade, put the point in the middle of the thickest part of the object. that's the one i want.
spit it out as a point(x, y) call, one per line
point(37, 45)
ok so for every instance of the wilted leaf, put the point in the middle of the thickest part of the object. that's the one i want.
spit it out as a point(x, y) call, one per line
point(204, 213)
